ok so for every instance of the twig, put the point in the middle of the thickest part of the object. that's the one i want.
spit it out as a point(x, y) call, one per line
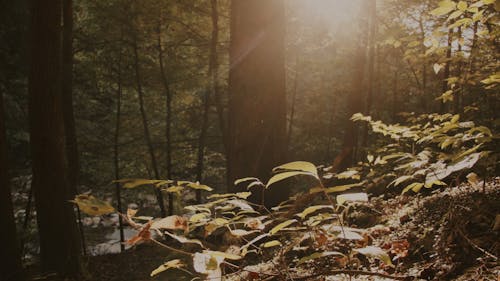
point(475, 246)
point(171, 248)
point(351, 272)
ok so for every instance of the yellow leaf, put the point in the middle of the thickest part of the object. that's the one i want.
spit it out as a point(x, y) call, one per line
point(375, 252)
point(281, 226)
point(286, 175)
point(170, 264)
point(92, 206)
point(170, 222)
point(272, 243)
point(444, 8)
point(132, 183)
point(312, 209)
point(462, 6)
point(298, 166)
point(361, 197)
point(455, 15)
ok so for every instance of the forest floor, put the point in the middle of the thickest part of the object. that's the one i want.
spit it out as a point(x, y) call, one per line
point(452, 234)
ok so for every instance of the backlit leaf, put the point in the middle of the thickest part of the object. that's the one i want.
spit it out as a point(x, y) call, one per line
point(285, 175)
point(298, 166)
point(133, 183)
point(375, 252)
point(312, 209)
point(282, 225)
point(272, 243)
point(168, 265)
point(92, 206)
point(170, 222)
point(358, 197)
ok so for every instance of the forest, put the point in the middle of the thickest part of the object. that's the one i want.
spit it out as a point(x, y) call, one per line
point(249, 140)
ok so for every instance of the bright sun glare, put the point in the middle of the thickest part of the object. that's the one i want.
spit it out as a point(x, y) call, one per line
point(332, 12)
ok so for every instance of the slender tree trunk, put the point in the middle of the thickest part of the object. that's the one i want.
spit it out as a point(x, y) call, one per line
point(168, 121)
point(212, 91)
point(395, 99)
point(11, 268)
point(116, 150)
point(423, 92)
point(147, 135)
point(446, 72)
point(217, 93)
point(59, 239)
point(292, 105)
point(257, 102)
point(372, 11)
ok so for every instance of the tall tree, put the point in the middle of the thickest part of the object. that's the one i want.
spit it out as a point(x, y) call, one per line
point(11, 268)
point(59, 238)
point(257, 101)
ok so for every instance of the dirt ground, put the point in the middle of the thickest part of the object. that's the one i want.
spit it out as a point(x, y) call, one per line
point(451, 234)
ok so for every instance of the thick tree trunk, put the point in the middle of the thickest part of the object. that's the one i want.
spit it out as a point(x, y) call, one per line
point(59, 239)
point(372, 12)
point(257, 101)
point(354, 105)
point(11, 268)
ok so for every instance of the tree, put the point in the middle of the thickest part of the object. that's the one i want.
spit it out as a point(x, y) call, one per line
point(59, 239)
point(11, 268)
point(257, 101)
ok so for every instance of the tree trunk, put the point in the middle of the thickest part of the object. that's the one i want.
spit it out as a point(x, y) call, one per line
point(59, 239)
point(168, 121)
point(147, 135)
point(11, 269)
point(211, 92)
point(354, 105)
point(372, 12)
point(257, 101)
point(116, 151)
point(446, 72)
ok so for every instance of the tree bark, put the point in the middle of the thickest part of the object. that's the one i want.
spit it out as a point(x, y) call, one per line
point(11, 268)
point(257, 101)
point(59, 238)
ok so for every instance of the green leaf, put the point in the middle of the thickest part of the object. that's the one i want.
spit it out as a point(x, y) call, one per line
point(282, 225)
point(319, 255)
point(285, 175)
point(298, 166)
point(375, 252)
point(168, 265)
point(92, 206)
